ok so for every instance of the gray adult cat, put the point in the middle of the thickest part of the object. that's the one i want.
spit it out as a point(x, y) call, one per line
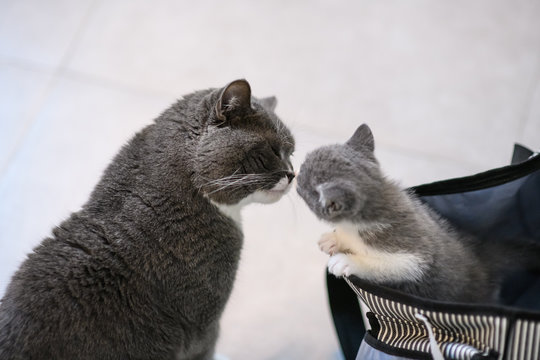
point(385, 235)
point(144, 270)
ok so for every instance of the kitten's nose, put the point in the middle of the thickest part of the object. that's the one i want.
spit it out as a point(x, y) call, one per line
point(290, 176)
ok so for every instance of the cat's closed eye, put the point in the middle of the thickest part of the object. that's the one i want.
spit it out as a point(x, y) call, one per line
point(260, 159)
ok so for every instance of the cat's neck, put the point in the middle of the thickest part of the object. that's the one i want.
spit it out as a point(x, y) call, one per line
point(233, 212)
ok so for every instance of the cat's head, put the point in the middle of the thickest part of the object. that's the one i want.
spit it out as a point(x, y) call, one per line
point(342, 182)
point(243, 154)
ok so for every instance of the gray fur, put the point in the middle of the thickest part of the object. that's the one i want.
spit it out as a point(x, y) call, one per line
point(145, 269)
point(345, 183)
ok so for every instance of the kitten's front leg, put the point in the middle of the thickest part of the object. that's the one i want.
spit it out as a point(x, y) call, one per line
point(328, 243)
point(342, 264)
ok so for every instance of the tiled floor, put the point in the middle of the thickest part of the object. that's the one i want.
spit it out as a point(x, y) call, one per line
point(447, 87)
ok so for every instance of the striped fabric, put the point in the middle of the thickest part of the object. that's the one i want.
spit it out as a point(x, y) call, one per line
point(459, 334)
point(525, 341)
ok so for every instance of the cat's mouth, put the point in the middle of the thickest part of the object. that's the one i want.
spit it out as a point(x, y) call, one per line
point(275, 193)
point(281, 187)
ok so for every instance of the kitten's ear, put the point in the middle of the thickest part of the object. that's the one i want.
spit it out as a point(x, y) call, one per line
point(234, 97)
point(362, 139)
point(269, 103)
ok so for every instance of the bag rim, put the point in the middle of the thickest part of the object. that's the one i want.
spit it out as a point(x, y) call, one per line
point(443, 306)
point(483, 180)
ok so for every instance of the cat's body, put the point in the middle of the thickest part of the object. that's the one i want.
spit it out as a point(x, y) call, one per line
point(145, 269)
point(416, 254)
point(386, 235)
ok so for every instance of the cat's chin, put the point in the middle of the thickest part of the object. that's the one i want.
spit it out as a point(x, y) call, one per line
point(261, 196)
point(272, 195)
point(268, 196)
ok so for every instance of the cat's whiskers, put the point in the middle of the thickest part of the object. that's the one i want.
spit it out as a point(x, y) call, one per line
point(231, 180)
point(238, 180)
point(236, 183)
point(233, 185)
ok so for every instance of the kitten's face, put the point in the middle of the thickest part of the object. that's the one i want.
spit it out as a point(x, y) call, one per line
point(245, 153)
point(339, 182)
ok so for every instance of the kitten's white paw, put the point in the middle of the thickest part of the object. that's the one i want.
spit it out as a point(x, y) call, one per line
point(328, 243)
point(340, 265)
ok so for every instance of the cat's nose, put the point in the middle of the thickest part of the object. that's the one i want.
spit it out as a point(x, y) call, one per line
point(290, 176)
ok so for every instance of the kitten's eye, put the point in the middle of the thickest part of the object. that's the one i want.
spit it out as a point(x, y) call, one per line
point(276, 152)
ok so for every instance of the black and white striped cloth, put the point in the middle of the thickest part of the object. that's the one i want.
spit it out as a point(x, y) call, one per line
point(457, 331)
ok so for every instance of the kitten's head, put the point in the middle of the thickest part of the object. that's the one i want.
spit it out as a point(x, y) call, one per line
point(244, 152)
point(342, 182)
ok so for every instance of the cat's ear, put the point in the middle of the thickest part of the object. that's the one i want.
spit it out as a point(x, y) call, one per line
point(362, 139)
point(269, 103)
point(235, 96)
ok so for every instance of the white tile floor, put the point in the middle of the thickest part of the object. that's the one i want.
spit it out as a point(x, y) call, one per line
point(447, 87)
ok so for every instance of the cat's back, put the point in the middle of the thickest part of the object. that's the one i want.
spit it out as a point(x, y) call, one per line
point(61, 295)
point(80, 295)
point(100, 283)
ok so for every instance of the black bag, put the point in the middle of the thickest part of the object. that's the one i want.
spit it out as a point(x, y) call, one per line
point(503, 203)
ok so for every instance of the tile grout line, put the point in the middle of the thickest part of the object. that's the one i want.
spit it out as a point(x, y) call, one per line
point(533, 88)
point(65, 72)
point(37, 105)
point(8, 4)
point(111, 84)
point(61, 68)
point(82, 77)
point(436, 158)
point(26, 64)
point(405, 150)
point(29, 121)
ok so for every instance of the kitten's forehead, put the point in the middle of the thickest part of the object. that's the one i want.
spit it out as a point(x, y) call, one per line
point(318, 163)
point(330, 155)
point(328, 163)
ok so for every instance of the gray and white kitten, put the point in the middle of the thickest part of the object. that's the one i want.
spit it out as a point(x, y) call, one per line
point(385, 235)
point(144, 270)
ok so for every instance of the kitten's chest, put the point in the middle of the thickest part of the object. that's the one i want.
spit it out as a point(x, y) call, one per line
point(350, 240)
point(375, 263)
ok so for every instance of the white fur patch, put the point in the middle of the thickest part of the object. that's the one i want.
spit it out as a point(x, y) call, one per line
point(322, 199)
point(274, 194)
point(232, 211)
point(262, 197)
point(368, 262)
